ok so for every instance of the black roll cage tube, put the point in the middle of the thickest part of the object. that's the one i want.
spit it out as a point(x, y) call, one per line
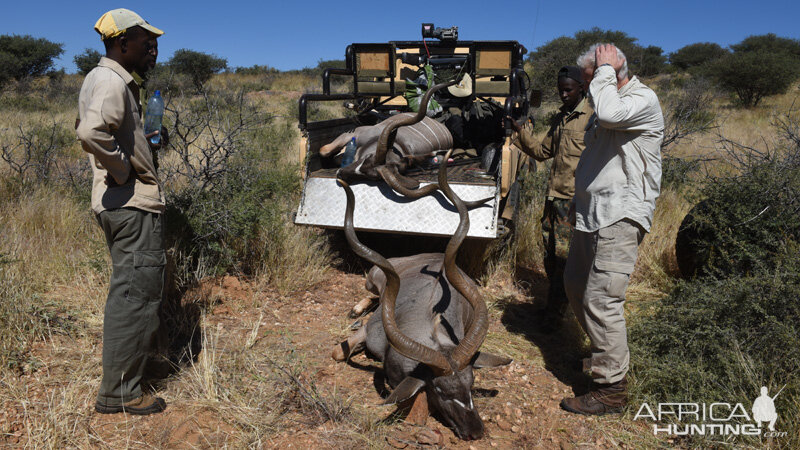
point(326, 77)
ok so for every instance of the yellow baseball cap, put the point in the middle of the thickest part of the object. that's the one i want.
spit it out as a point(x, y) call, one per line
point(116, 21)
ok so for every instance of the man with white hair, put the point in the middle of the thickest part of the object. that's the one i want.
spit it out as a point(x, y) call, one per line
point(617, 182)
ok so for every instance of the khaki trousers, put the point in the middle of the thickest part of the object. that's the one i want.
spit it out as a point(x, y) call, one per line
point(596, 275)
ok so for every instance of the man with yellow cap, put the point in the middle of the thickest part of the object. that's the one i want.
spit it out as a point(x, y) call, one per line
point(128, 200)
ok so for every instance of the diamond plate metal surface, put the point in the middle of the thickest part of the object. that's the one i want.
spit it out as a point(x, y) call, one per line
point(379, 208)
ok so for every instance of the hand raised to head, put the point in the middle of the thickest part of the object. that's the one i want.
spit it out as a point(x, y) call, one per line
point(607, 54)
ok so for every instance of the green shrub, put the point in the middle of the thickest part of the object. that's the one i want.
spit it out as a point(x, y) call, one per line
point(721, 340)
point(27, 103)
point(171, 84)
point(648, 61)
point(754, 75)
point(769, 43)
point(564, 50)
point(26, 56)
point(696, 55)
point(87, 60)
point(225, 181)
point(52, 94)
point(758, 67)
point(331, 63)
point(256, 69)
point(677, 172)
point(221, 228)
point(746, 222)
point(197, 65)
point(722, 335)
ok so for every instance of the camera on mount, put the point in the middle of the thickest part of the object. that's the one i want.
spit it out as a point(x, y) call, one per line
point(443, 34)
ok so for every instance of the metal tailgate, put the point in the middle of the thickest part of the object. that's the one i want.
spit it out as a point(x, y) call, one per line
point(379, 208)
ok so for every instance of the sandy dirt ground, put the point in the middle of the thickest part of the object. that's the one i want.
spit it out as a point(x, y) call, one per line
point(519, 402)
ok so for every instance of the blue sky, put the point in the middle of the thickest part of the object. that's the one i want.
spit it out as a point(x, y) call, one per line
point(296, 34)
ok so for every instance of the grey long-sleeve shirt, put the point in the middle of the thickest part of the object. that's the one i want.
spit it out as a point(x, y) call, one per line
point(619, 173)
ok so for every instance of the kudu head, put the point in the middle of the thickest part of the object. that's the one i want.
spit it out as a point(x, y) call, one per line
point(450, 393)
point(447, 372)
point(451, 396)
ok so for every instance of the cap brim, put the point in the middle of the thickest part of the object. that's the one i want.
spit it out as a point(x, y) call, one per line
point(151, 29)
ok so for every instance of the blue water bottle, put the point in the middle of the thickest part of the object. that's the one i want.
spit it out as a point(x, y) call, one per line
point(153, 116)
point(349, 152)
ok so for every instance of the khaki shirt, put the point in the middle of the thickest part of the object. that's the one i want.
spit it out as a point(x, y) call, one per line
point(110, 129)
point(563, 143)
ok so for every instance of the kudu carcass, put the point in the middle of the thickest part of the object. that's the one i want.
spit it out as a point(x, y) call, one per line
point(412, 145)
point(395, 144)
point(431, 324)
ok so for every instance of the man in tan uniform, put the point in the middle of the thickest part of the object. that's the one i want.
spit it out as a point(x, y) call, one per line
point(564, 144)
point(128, 200)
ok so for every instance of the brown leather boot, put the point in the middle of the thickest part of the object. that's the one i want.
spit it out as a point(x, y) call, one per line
point(603, 399)
point(142, 406)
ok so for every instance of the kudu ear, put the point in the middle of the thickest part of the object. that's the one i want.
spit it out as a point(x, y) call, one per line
point(405, 390)
point(483, 359)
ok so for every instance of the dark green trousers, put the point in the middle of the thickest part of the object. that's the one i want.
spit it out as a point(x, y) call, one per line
point(135, 240)
point(556, 235)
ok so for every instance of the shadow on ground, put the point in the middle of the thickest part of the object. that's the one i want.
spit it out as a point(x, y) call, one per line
point(564, 347)
point(473, 256)
point(179, 336)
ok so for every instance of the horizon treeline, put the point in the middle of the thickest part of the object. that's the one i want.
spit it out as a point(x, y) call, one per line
point(758, 66)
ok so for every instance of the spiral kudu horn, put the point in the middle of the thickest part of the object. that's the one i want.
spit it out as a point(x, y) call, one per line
point(391, 177)
point(388, 132)
point(402, 343)
point(474, 336)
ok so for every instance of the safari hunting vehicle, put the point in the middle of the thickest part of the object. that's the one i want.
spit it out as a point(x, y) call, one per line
point(485, 83)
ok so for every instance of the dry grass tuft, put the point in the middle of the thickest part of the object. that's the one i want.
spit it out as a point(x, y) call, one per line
point(51, 259)
point(528, 250)
point(296, 257)
point(657, 267)
point(297, 81)
point(49, 236)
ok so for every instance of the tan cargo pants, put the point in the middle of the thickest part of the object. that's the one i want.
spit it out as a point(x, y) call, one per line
point(598, 269)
